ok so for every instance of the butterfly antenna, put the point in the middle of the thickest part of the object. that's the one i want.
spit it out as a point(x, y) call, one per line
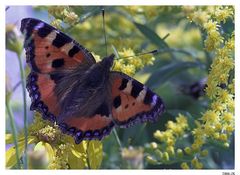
point(144, 53)
point(104, 31)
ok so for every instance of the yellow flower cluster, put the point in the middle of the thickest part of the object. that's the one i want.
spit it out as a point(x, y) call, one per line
point(217, 123)
point(55, 150)
point(167, 151)
point(218, 120)
point(92, 32)
point(63, 14)
point(129, 63)
point(204, 18)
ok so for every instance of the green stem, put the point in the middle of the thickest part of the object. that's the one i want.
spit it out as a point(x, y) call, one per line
point(14, 132)
point(139, 133)
point(23, 82)
point(117, 138)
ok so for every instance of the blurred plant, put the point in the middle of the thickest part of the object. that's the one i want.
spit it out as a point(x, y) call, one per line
point(14, 42)
point(132, 158)
point(216, 124)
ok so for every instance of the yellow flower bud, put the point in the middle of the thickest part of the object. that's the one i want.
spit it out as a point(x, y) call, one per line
point(204, 153)
point(229, 129)
point(184, 165)
point(158, 135)
point(199, 165)
point(159, 154)
point(165, 156)
point(170, 150)
point(195, 147)
point(188, 150)
point(216, 135)
point(194, 162)
point(14, 40)
point(179, 152)
point(150, 160)
point(153, 145)
point(223, 137)
point(226, 145)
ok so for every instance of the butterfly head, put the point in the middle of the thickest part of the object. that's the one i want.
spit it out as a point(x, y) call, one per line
point(107, 62)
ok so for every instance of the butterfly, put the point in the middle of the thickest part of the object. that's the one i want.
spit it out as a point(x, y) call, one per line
point(86, 99)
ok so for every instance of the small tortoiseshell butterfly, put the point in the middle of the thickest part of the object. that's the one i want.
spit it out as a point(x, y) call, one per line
point(86, 99)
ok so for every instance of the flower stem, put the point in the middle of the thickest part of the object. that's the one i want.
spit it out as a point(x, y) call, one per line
point(117, 138)
point(14, 132)
point(23, 82)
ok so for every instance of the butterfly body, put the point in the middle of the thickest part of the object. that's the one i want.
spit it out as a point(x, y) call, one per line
point(88, 89)
point(85, 98)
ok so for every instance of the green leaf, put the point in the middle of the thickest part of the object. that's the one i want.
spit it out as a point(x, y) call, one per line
point(160, 76)
point(95, 154)
point(152, 36)
point(10, 155)
point(89, 11)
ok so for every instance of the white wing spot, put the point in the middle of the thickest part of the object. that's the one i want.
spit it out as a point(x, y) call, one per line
point(66, 47)
point(51, 36)
point(142, 95)
point(128, 89)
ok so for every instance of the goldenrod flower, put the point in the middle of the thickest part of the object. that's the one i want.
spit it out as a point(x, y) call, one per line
point(129, 64)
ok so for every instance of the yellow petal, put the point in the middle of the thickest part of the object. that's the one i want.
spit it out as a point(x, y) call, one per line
point(43, 146)
point(8, 138)
point(76, 153)
point(50, 151)
point(77, 162)
point(95, 154)
point(82, 147)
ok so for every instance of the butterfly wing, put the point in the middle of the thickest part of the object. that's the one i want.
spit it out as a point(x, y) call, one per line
point(48, 49)
point(132, 102)
point(49, 53)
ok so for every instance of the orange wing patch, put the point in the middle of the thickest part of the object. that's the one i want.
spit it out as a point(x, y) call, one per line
point(49, 58)
point(96, 122)
point(40, 89)
point(46, 88)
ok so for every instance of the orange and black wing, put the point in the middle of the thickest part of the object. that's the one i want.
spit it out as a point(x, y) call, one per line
point(48, 49)
point(132, 102)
